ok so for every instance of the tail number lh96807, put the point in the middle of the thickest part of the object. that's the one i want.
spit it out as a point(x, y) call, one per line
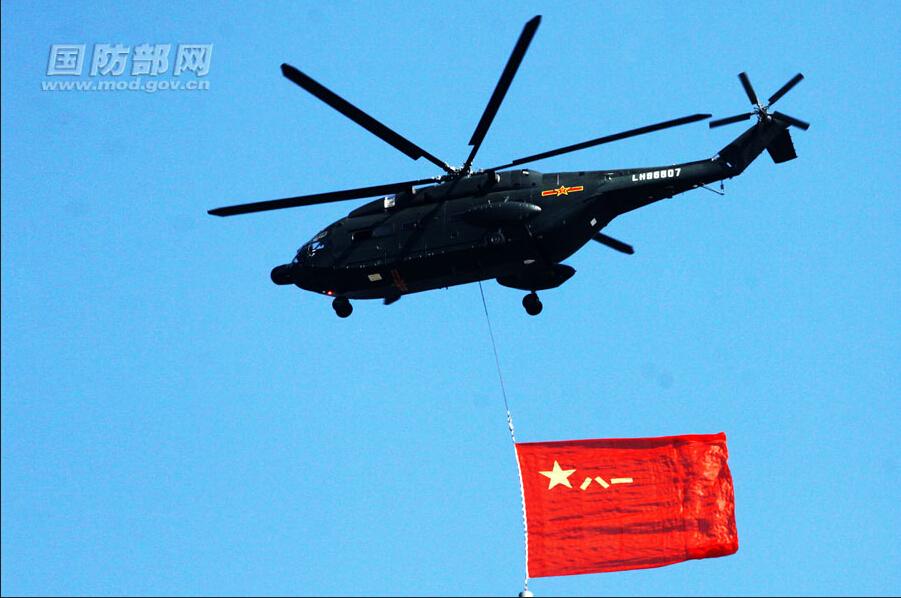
point(666, 173)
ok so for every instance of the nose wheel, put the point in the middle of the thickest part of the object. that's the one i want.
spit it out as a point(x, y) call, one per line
point(532, 304)
point(342, 307)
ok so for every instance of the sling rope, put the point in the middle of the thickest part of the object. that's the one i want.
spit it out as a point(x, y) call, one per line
point(500, 377)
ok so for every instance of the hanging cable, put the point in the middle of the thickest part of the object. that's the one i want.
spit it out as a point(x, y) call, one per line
point(522, 497)
point(722, 190)
point(497, 363)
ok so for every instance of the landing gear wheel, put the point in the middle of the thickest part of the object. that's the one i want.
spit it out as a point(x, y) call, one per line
point(342, 307)
point(532, 304)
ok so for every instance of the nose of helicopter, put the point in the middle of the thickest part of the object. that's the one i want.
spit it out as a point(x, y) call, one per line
point(283, 274)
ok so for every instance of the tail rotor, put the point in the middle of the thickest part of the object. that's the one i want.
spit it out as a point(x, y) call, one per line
point(760, 111)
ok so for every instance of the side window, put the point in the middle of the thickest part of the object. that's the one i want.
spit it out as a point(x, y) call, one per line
point(361, 235)
point(383, 230)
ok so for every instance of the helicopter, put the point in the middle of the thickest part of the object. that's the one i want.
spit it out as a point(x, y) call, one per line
point(508, 223)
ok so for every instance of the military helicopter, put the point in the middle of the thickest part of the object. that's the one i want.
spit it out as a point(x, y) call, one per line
point(512, 224)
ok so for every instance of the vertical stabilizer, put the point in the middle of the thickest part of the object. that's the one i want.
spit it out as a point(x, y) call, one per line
point(770, 133)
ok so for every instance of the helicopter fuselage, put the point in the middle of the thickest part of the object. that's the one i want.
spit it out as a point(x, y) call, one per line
point(515, 226)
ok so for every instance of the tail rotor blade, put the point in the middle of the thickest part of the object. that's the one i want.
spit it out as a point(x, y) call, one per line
point(746, 83)
point(785, 89)
point(728, 121)
point(791, 120)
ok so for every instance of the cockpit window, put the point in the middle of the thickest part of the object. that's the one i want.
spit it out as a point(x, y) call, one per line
point(313, 246)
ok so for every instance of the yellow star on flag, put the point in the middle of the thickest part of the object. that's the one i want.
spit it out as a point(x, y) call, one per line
point(558, 476)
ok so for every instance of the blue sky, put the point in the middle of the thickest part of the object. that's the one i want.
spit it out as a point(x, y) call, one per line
point(174, 423)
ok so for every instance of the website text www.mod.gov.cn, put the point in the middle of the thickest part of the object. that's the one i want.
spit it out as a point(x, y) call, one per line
point(136, 84)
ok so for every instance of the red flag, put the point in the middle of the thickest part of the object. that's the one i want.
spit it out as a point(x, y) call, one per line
point(629, 503)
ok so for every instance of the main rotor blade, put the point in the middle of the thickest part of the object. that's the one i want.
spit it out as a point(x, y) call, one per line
point(746, 83)
point(785, 88)
point(317, 198)
point(613, 243)
point(790, 120)
point(375, 127)
point(729, 120)
point(500, 90)
point(607, 139)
